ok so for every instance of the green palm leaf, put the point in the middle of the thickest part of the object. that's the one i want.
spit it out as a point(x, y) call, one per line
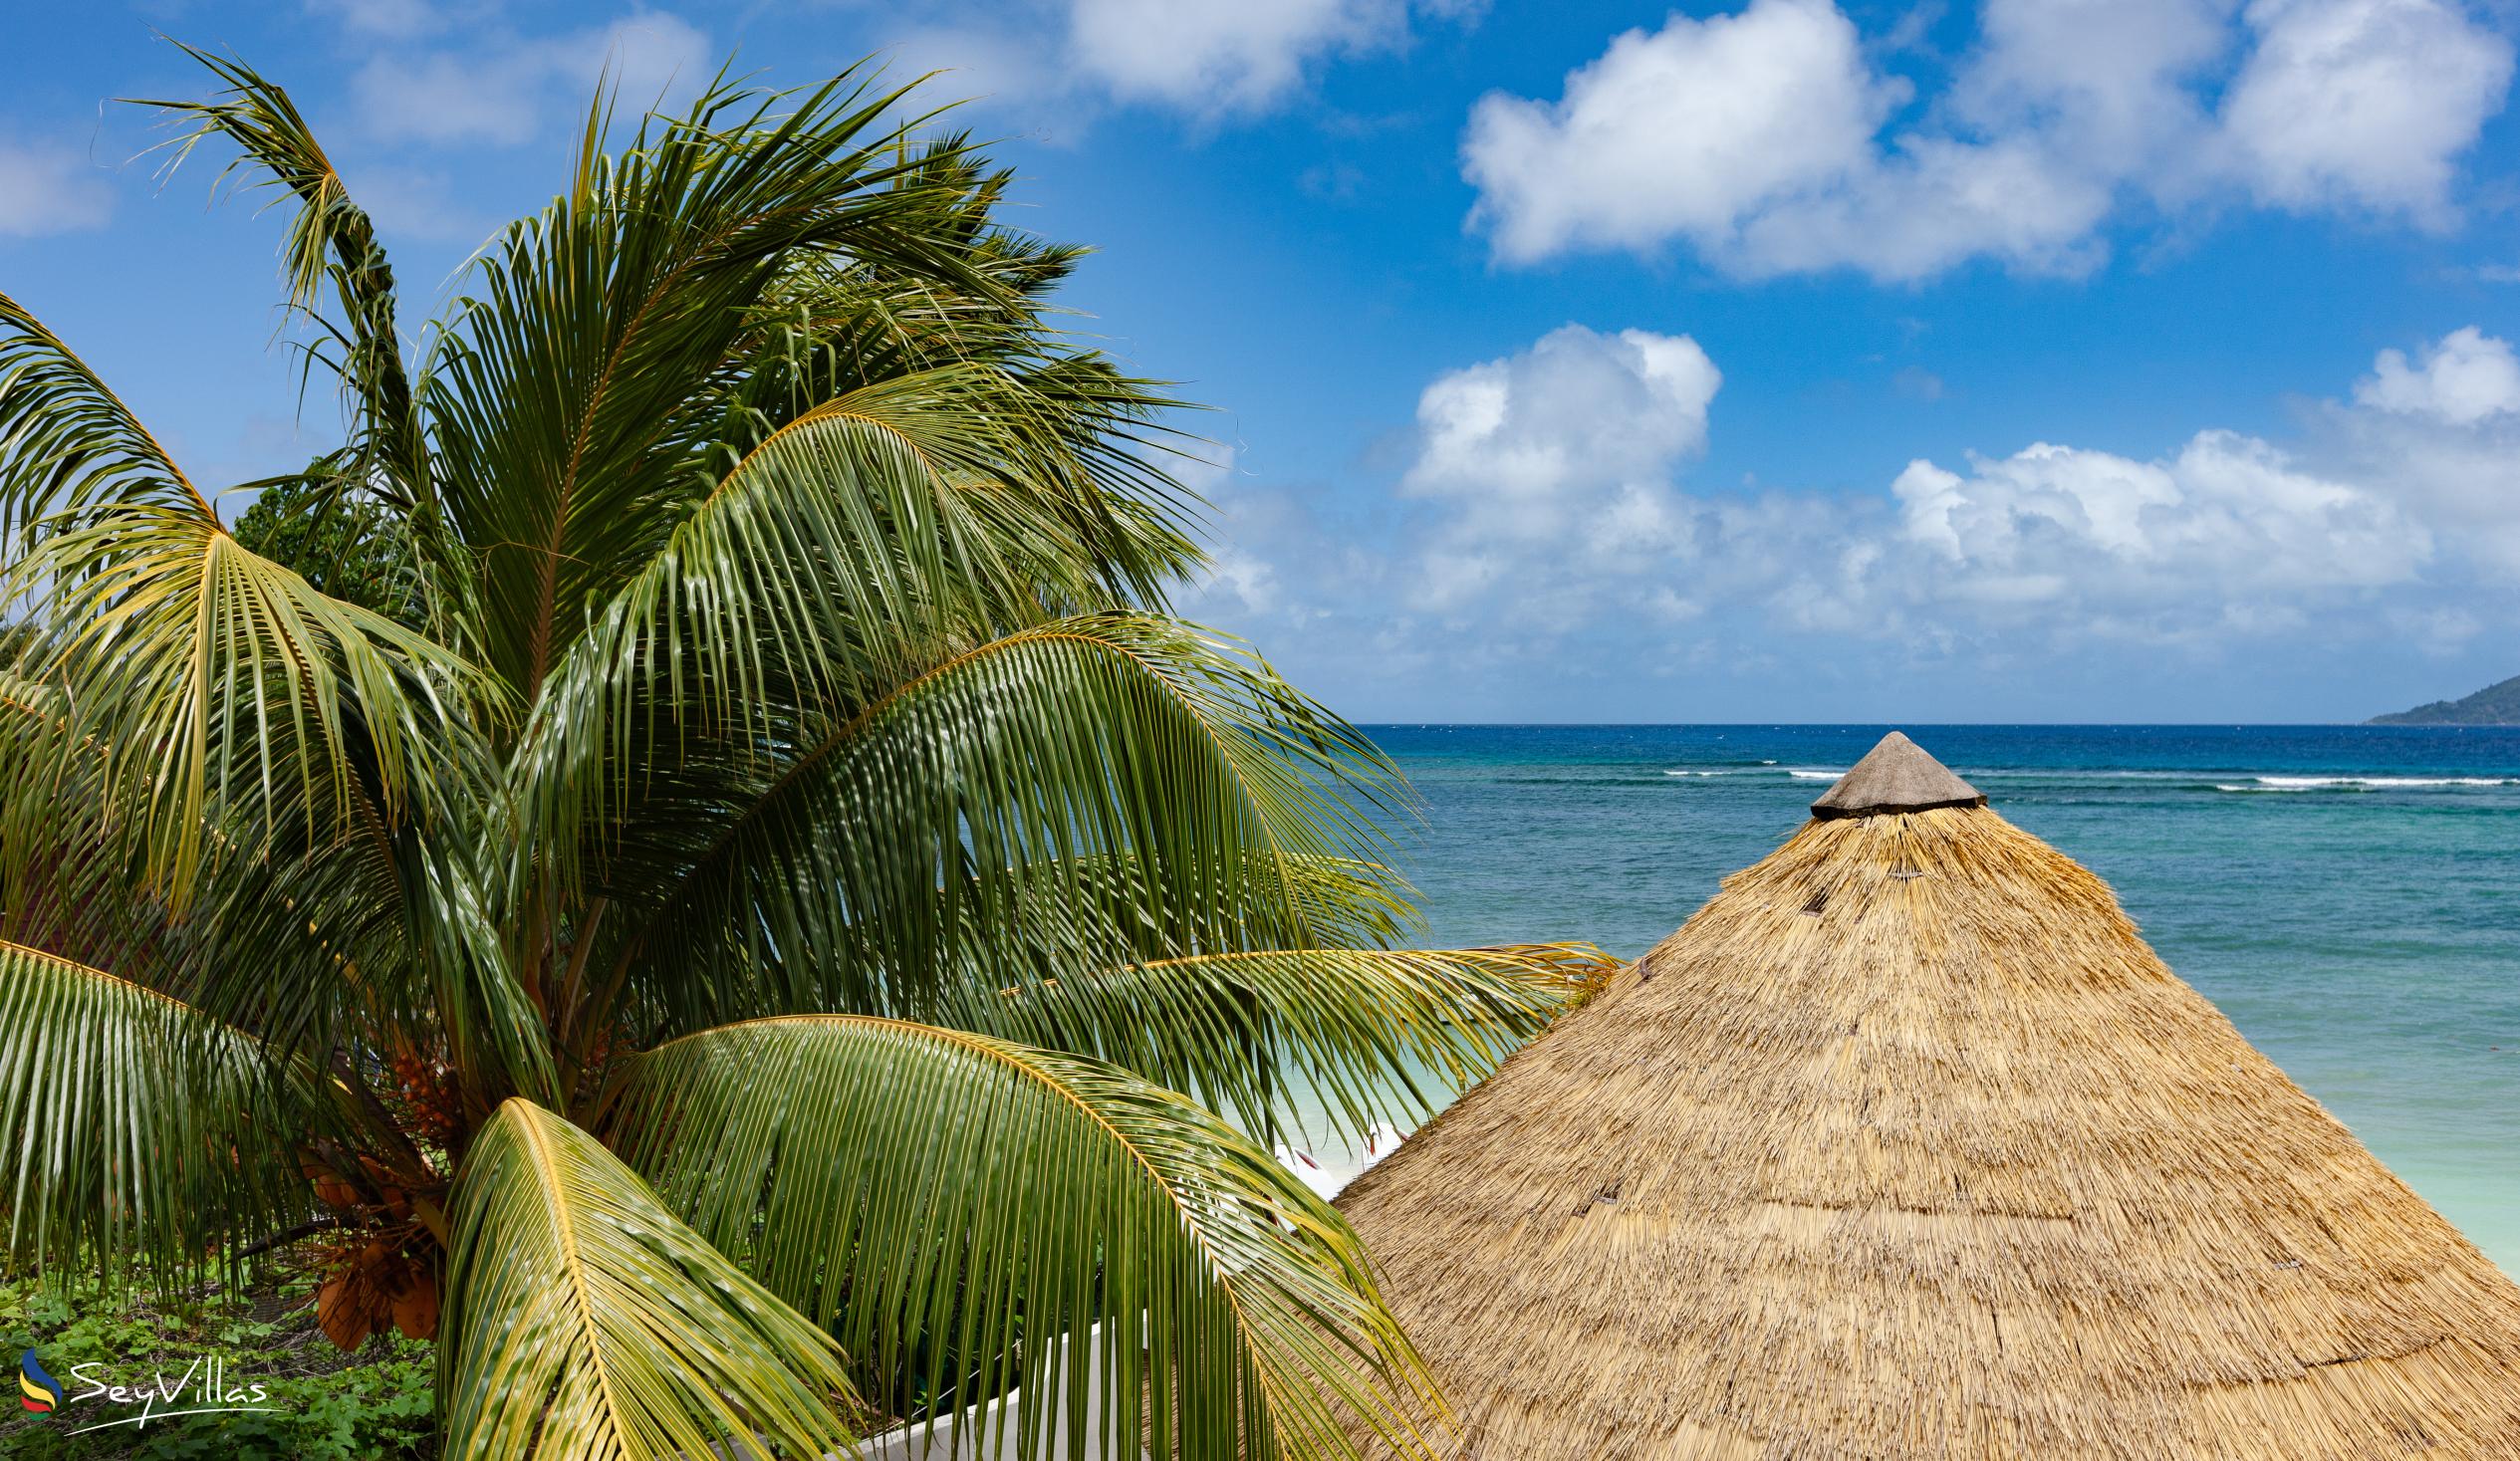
point(857, 1161)
point(66, 441)
point(777, 630)
point(847, 862)
point(133, 1124)
point(584, 1319)
point(330, 239)
point(236, 690)
point(1370, 1034)
point(1093, 440)
point(285, 935)
point(812, 570)
point(570, 394)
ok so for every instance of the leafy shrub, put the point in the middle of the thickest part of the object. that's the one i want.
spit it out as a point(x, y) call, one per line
point(325, 1405)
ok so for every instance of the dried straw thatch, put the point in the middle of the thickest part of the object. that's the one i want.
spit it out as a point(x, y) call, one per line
point(1908, 1146)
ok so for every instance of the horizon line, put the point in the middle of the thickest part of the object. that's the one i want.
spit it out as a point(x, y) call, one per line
point(1938, 724)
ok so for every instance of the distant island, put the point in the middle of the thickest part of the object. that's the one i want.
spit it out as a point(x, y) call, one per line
point(2493, 705)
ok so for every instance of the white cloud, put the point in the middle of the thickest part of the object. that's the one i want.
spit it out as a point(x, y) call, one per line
point(1545, 528)
point(2106, 81)
point(501, 93)
point(1687, 131)
point(2464, 481)
point(2466, 378)
point(2228, 536)
point(1770, 142)
point(1055, 62)
point(1221, 57)
point(2226, 516)
point(1236, 580)
point(2443, 431)
point(49, 188)
point(1936, 204)
point(1554, 463)
point(2362, 102)
point(1577, 409)
point(394, 19)
point(987, 59)
point(1753, 138)
point(654, 58)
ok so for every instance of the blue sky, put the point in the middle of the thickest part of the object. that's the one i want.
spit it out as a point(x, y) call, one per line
point(2039, 359)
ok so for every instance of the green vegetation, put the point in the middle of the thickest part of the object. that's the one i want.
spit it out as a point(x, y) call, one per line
point(341, 542)
point(2497, 704)
point(687, 858)
point(323, 1406)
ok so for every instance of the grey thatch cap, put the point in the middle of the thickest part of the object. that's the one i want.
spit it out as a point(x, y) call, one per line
point(1895, 775)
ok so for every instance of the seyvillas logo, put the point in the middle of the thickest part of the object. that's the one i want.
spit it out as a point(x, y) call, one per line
point(37, 1390)
point(204, 1389)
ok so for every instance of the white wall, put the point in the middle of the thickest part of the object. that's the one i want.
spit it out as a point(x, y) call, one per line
point(936, 1440)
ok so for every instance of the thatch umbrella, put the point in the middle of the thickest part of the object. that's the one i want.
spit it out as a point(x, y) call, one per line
point(1908, 1146)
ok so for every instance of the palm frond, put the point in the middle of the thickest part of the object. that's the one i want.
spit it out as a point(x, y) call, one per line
point(821, 569)
point(817, 565)
point(957, 1204)
point(284, 934)
point(497, 1034)
point(230, 687)
point(67, 441)
point(1106, 910)
point(849, 862)
point(1095, 441)
point(583, 1319)
point(133, 1125)
point(582, 377)
point(1367, 1034)
point(329, 240)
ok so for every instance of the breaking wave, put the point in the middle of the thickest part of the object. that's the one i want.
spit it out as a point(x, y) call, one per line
point(2361, 782)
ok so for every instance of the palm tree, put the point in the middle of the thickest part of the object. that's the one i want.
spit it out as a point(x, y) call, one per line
point(761, 918)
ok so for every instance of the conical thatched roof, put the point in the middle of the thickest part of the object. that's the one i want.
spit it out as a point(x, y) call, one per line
point(1908, 1146)
point(1895, 775)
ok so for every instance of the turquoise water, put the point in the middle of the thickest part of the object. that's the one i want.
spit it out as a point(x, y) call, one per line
point(2349, 895)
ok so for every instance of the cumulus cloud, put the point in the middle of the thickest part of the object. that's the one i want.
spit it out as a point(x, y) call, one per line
point(2114, 76)
point(1937, 202)
point(500, 93)
point(1770, 140)
point(2464, 379)
point(2362, 101)
point(1545, 524)
point(49, 188)
point(1555, 465)
point(1687, 131)
point(1559, 471)
point(2224, 517)
point(1575, 410)
point(2442, 429)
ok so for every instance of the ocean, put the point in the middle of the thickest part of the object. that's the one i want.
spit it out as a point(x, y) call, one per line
point(2349, 895)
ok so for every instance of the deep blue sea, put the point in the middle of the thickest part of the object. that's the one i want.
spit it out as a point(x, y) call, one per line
point(2349, 895)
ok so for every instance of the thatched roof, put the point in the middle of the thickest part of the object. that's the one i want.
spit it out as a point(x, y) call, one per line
point(1908, 1146)
point(1895, 775)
